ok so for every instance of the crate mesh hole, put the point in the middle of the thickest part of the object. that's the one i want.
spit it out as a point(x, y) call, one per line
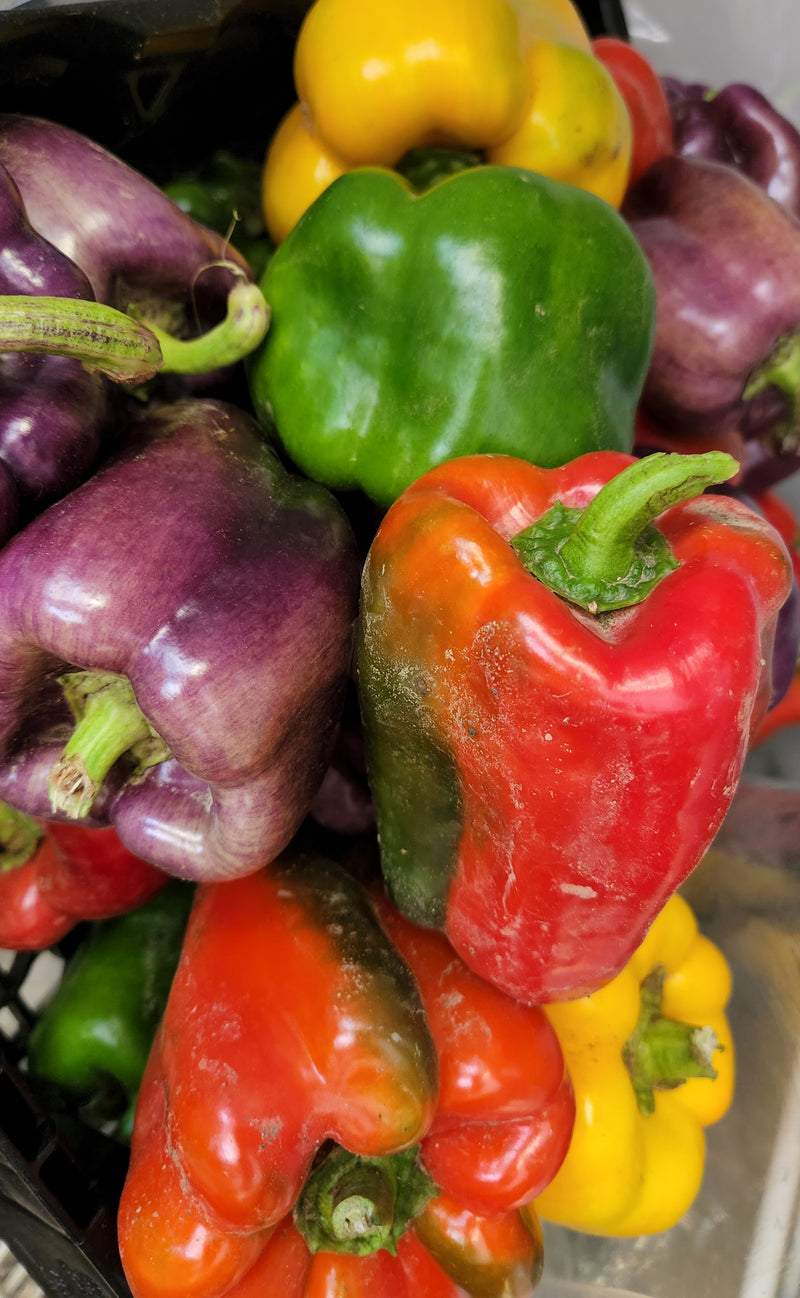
point(41, 980)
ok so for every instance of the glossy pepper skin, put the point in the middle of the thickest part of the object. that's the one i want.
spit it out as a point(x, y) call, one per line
point(515, 79)
point(52, 410)
point(291, 1021)
point(725, 259)
point(737, 125)
point(93, 1038)
point(196, 579)
point(506, 1107)
point(629, 1172)
point(545, 777)
point(423, 350)
point(53, 876)
point(646, 100)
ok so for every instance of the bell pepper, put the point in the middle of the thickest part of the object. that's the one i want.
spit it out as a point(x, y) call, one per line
point(423, 350)
point(138, 251)
point(196, 603)
point(726, 264)
point(92, 1039)
point(292, 1021)
point(738, 125)
point(53, 876)
point(448, 1202)
point(652, 1061)
point(52, 410)
point(515, 79)
point(556, 714)
point(645, 98)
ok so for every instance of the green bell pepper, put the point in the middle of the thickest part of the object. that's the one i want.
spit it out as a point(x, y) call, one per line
point(93, 1037)
point(498, 311)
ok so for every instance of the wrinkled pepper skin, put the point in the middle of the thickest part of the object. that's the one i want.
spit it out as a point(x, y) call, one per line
point(514, 79)
point(422, 351)
point(52, 410)
point(446, 1253)
point(739, 126)
point(223, 590)
point(72, 874)
point(135, 245)
point(506, 1107)
point(93, 1038)
point(627, 1172)
point(726, 264)
point(544, 778)
point(292, 1020)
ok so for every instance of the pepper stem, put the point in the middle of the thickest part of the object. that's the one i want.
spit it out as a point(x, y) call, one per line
point(608, 555)
point(98, 336)
point(663, 1053)
point(109, 723)
point(351, 1204)
point(20, 836)
point(781, 370)
point(245, 324)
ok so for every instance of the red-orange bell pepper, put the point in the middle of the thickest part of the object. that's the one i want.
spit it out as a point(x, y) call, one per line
point(300, 1013)
point(54, 875)
point(548, 767)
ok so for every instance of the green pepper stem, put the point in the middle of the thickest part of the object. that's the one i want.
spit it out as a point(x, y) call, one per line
point(20, 836)
point(609, 555)
point(109, 722)
point(351, 1204)
point(245, 324)
point(98, 336)
point(781, 370)
point(662, 1053)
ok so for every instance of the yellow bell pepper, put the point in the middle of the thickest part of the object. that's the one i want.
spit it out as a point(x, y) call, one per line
point(513, 79)
point(628, 1171)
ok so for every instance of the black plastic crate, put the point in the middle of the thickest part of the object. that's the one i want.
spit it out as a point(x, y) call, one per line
point(160, 83)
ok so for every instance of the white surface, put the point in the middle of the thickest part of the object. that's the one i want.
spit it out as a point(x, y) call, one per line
point(719, 41)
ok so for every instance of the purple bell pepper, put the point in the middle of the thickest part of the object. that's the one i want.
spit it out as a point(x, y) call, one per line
point(175, 641)
point(739, 126)
point(139, 251)
point(52, 410)
point(726, 263)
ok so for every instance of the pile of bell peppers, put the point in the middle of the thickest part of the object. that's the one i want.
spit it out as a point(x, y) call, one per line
point(389, 598)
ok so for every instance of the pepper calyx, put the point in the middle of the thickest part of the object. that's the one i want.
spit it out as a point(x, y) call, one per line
point(609, 555)
point(354, 1204)
point(109, 722)
point(662, 1053)
point(20, 836)
point(781, 370)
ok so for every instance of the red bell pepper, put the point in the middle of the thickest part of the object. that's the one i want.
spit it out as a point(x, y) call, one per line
point(291, 1021)
point(456, 1176)
point(645, 98)
point(53, 876)
point(546, 774)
